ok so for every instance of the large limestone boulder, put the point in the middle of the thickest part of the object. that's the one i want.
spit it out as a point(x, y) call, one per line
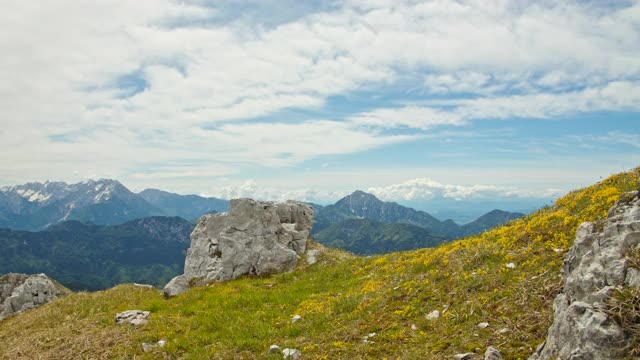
point(593, 269)
point(20, 292)
point(253, 238)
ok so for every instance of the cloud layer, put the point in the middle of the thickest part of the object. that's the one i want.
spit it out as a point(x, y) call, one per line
point(163, 89)
point(425, 189)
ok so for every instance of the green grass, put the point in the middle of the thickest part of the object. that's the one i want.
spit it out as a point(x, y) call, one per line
point(341, 299)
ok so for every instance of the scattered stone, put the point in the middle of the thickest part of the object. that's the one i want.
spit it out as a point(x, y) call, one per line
point(510, 266)
point(414, 327)
point(293, 354)
point(434, 315)
point(504, 331)
point(274, 349)
point(146, 286)
point(312, 256)
point(296, 318)
point(557, 250)
point(132, 317)
point(253, 238)
point(365, 339)
point(19, 292)
point(467, 356)
point(483, 325)
point(177, 285)
point(492, 354)
point(147, 347)
point(594, 267)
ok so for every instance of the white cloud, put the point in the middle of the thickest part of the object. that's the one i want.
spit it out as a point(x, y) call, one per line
point(618, 95)
point(423, 189)
point(65, 65)
point(250, 189)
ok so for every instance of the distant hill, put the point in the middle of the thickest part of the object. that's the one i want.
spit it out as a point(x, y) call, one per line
point(367, 237)
point(487, 221)
point(35, 206)
point(362, 205)
point(92, 257)
point(188, 207)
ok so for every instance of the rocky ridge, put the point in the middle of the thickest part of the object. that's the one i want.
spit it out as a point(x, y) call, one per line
point(595, 268)
point(253, 238)
point(19, 292)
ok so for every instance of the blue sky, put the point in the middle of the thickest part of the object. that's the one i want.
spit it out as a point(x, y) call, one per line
point(420, 102)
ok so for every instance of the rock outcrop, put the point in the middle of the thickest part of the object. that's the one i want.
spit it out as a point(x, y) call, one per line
point(20, 292)
point(253, 238)
point(594, 269)
point(133, 317)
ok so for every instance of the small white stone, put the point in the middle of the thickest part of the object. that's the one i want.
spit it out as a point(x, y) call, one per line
point(483, 325)
point(371, 335)
point(296, 318)
point(294, 354)
point(466, 356)
point(414, 327)
point(510, 266)
point(162, 342)
point(434, 315)
point(504, 331)
point(274, 349)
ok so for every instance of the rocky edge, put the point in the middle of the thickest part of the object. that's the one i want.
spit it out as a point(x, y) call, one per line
point(253, 238)
point(594, 269)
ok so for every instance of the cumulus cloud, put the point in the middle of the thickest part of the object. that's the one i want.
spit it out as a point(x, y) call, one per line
point(618, 95)
point(424, 189)
point(114, 86)
point(251, 189)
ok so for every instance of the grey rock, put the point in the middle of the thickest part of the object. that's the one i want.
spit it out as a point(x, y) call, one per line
point(132, 317)
point(434, 315)
point(492, 354)
point(293, 354)
point(483, 325)
point(467, 356)
point(296, 318)
point(145, 286)
point(177, 285)
point(19, 292)
point(593, 269)
point(147, 347)
point(312, 256)
point(253, 238)
point(274, 349)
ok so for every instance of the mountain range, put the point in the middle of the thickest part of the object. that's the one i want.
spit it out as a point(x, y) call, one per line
point(35, 206)
point(368, 237)
point(361, 205)
point(85, 256)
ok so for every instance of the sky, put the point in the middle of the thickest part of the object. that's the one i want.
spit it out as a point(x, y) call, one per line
point(414, 101)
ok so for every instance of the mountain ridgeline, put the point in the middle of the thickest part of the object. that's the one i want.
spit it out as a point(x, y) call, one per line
point(35, 206)
point(364, 224)
point(368, 237)
point(498, 289)
point(93, 257)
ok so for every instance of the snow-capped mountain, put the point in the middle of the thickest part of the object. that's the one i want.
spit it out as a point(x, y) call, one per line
point(34, 206)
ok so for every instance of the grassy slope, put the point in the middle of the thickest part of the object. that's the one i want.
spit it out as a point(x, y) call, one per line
point(341, 299)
